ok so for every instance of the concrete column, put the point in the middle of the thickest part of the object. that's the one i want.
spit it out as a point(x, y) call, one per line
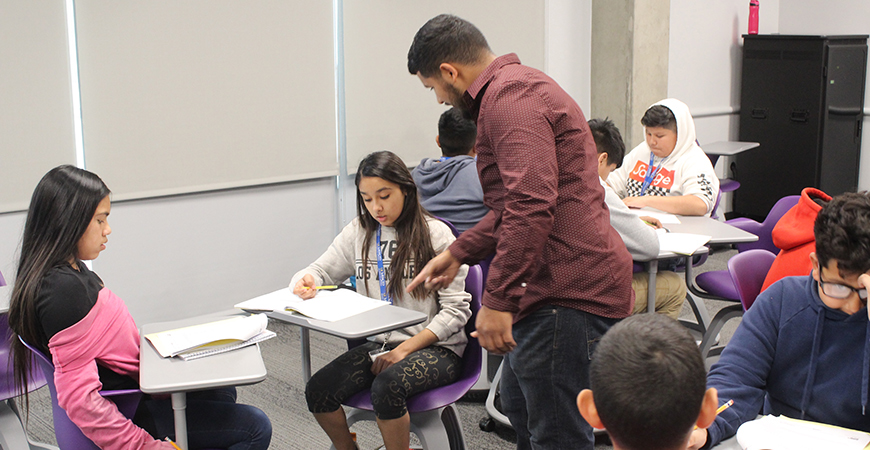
point(629, 61)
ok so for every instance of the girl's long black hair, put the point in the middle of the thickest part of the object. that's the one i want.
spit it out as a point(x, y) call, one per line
point(61, 208)
point(412, 231)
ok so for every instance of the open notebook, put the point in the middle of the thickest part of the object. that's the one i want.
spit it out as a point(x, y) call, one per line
point(783, 433)
point(211, 338)
point(329, 306)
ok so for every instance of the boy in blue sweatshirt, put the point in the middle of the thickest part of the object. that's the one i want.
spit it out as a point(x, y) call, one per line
point(802, 350)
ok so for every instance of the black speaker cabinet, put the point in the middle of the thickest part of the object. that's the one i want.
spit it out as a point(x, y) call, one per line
point(802, 99)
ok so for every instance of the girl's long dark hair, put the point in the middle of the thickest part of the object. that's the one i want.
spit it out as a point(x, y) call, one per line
point(412, 231)
point(61, 208)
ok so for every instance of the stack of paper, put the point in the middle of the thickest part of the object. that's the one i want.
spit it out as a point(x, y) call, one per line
point(221, 335)
point(328, 306)
point(681, 243)
point(783, 433)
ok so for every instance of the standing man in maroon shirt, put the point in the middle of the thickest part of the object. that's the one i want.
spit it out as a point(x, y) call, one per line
point(561, 275)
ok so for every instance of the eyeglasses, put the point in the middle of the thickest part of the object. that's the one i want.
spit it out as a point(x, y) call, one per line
point(840, 291)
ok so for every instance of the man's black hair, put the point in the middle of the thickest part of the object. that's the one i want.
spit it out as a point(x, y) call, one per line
point(445, 39)
point(648, 382)
point(608, 140)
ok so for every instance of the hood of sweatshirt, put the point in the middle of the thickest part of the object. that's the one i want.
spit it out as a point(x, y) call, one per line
point(686, 138)
point(433, 175)
point(795, 228)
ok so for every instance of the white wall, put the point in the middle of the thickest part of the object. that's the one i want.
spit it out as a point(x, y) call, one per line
point(830, 18)
point(705, 56)
point(704, 64)
point(569, 47)
point(177, 257)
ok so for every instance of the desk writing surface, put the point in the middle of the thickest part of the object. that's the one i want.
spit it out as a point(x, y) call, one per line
point(368, 323)
point(720, 232)
point(728, 148)
point(159, 375)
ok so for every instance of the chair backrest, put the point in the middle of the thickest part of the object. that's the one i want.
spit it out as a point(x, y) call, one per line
point(472, 357)
point(7, 375)
point(68, 434)
point(748, 270)
point(764, 229)
point(449, 225)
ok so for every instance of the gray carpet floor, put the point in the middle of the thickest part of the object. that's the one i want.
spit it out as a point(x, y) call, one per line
point(281, 395)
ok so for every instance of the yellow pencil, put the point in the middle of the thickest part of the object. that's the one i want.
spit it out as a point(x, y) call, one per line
point(322, 287)
point(722, 408)
point(174, 445)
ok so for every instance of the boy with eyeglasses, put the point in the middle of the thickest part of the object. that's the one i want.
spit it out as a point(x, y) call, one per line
point(802, 349)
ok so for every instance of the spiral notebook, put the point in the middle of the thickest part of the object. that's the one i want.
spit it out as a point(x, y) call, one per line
point(208, 336)
point(203, 352)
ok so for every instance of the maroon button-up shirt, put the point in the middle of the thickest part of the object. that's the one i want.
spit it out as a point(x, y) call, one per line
point(548, 225)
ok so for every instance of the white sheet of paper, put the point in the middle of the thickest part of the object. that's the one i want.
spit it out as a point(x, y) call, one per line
point(273, 301)
point(783, 433)
point(335, 305)
point(664, 218)
point(327, 305)
point(682, 243)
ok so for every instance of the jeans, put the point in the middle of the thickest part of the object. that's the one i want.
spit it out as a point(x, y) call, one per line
point(543, 374)
point(214, 420)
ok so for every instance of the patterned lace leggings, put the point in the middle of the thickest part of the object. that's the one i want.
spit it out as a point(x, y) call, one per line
point(350, 373)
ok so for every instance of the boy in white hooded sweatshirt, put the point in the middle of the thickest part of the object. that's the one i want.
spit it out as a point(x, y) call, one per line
point(668, 171)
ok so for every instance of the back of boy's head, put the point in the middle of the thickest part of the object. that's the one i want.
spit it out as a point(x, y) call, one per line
point(648, 381)
point(456, 133)
point(608, 140)
point(842, 231)
point(659, 116)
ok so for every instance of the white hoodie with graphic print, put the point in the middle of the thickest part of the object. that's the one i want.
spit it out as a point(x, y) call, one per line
point(686, 171)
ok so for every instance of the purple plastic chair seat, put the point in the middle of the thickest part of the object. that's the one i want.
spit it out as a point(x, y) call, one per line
point(728, 185)
point(433, 416)
point(747, 271)
point(718, 283)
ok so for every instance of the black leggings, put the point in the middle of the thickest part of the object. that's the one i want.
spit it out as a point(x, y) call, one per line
point(350, 373)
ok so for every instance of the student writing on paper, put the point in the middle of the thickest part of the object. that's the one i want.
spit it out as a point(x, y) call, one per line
point(390, 237)
point(62, 308)
point(801, 349)
point(668, 171)
point(637, 232)
point(648, 385)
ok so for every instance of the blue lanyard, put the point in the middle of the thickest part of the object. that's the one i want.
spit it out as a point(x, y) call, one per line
point(444, 158)
point(651, 172)
point(382, 274)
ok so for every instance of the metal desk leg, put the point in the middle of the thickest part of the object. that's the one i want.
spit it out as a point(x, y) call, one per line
point(306, 353)
point(698, 304)
point(179, 405)
point(652, 267)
